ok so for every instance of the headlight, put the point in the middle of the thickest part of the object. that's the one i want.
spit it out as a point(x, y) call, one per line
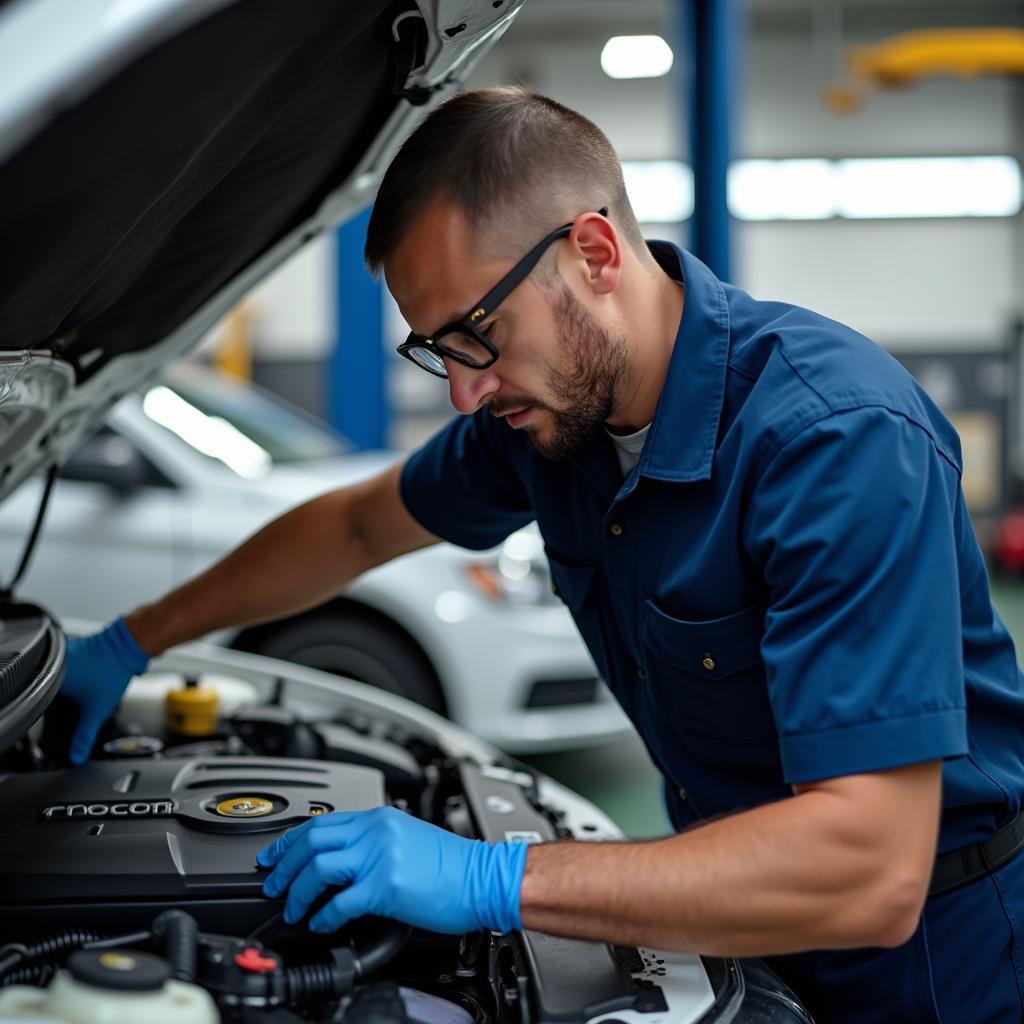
point(519, 575)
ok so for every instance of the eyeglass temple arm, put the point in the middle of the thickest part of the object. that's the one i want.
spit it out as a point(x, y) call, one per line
point(501, 291)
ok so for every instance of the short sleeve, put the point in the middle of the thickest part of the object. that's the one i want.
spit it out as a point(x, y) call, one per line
point(852, 524)
point(465, 484)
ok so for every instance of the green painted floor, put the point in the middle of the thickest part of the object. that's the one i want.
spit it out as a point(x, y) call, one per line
point(621, 780)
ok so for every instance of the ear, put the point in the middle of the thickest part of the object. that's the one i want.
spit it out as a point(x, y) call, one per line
point(595, 246)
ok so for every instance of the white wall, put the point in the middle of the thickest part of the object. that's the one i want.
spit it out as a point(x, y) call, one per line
point(909, 284)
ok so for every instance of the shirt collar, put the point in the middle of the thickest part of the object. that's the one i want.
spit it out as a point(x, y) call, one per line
point(681, 443)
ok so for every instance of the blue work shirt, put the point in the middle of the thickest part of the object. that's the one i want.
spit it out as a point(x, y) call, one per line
point(786, 587)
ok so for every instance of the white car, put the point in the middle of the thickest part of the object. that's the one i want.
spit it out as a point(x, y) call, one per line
point(183, 472)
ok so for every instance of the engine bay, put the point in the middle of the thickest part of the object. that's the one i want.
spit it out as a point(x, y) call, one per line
point(132, 879)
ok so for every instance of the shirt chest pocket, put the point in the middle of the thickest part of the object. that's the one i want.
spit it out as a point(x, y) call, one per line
point(710, 679)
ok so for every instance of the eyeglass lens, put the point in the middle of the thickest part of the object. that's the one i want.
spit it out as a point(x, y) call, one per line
point(464, 346)
point(428, 359)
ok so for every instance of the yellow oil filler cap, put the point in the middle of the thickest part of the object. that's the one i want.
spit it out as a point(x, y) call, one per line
point(191, 710)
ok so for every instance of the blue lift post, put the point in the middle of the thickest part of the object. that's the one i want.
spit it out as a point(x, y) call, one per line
point(357, 399)
point(708, 40)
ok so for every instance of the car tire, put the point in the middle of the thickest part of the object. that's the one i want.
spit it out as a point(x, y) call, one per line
point(359, 647)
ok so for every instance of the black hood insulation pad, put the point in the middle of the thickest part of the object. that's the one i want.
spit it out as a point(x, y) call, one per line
point(140, 202)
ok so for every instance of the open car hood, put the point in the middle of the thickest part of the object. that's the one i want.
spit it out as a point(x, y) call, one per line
point(158, 158)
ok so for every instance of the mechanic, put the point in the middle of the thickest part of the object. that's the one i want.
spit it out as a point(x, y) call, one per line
point(756, 518)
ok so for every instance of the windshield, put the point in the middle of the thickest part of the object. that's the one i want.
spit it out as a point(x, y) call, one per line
point(247, 429)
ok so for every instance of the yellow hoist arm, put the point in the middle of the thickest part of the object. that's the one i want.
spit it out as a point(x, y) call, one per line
point(912, 56)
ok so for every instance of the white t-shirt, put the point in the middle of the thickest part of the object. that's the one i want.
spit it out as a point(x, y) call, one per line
point(628, 447)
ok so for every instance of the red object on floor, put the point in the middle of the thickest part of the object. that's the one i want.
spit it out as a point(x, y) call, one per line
point(1009, 542)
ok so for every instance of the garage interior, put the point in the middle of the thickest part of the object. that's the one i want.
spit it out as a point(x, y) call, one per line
point(939, 286)
point(270, 753)
point(858, 157)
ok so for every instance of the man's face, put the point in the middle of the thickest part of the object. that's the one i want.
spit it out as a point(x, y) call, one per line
point(583, 372)
point(558, 371)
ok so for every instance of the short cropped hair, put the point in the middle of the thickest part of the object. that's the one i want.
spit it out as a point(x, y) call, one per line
point(518, 164)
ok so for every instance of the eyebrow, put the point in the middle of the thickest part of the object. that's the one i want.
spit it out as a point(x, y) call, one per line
point(453, 318)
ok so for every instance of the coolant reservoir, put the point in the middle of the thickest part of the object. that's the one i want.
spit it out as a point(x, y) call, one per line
point(145, 700)
point(110, 987)
point(191, 712)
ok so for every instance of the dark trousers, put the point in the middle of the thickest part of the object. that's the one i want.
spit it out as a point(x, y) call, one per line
point(964, 964)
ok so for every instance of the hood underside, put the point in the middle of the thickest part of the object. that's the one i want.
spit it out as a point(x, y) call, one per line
point(175, 154)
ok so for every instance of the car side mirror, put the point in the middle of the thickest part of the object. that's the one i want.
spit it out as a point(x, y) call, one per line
point(111, 460)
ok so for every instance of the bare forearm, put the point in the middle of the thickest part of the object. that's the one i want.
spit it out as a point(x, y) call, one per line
point(780, 878)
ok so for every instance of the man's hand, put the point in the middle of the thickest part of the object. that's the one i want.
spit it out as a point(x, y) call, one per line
point(99, 668)
point(394, 865)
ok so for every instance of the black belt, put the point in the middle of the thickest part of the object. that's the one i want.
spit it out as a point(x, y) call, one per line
point(952, 870)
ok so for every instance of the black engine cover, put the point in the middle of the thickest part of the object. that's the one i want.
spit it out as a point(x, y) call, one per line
point(113, 841)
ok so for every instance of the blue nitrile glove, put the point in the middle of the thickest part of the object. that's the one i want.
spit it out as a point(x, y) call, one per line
point(397, 866)
point(99, 668)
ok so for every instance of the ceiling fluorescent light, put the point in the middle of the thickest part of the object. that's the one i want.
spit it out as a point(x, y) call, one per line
point(636, 57)
point(782, 189)
point(660, 191)
point(978, 186)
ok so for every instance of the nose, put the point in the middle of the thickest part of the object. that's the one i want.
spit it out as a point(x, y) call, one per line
point(470, 389)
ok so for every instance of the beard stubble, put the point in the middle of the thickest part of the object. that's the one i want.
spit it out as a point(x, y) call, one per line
point(592, 367)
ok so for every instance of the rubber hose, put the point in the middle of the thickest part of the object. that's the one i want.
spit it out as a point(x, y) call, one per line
point(32, 974)
point(382, 950)
point(311, 982)
point(64, 942)
point(45, 949)
point(11, 955)
point(178, 935)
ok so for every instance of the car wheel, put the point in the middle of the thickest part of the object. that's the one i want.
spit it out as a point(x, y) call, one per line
point(358, 647)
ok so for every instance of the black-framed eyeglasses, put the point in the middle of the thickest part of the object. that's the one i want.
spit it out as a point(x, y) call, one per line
point(461, 340)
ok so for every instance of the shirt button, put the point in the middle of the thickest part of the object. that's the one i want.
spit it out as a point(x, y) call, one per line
point(554, 588)
point(709, 663)
point(640, 673)
point(683, 795)
point(616, 529)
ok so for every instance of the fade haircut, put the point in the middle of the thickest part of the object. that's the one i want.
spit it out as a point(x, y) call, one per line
point(518, 164)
